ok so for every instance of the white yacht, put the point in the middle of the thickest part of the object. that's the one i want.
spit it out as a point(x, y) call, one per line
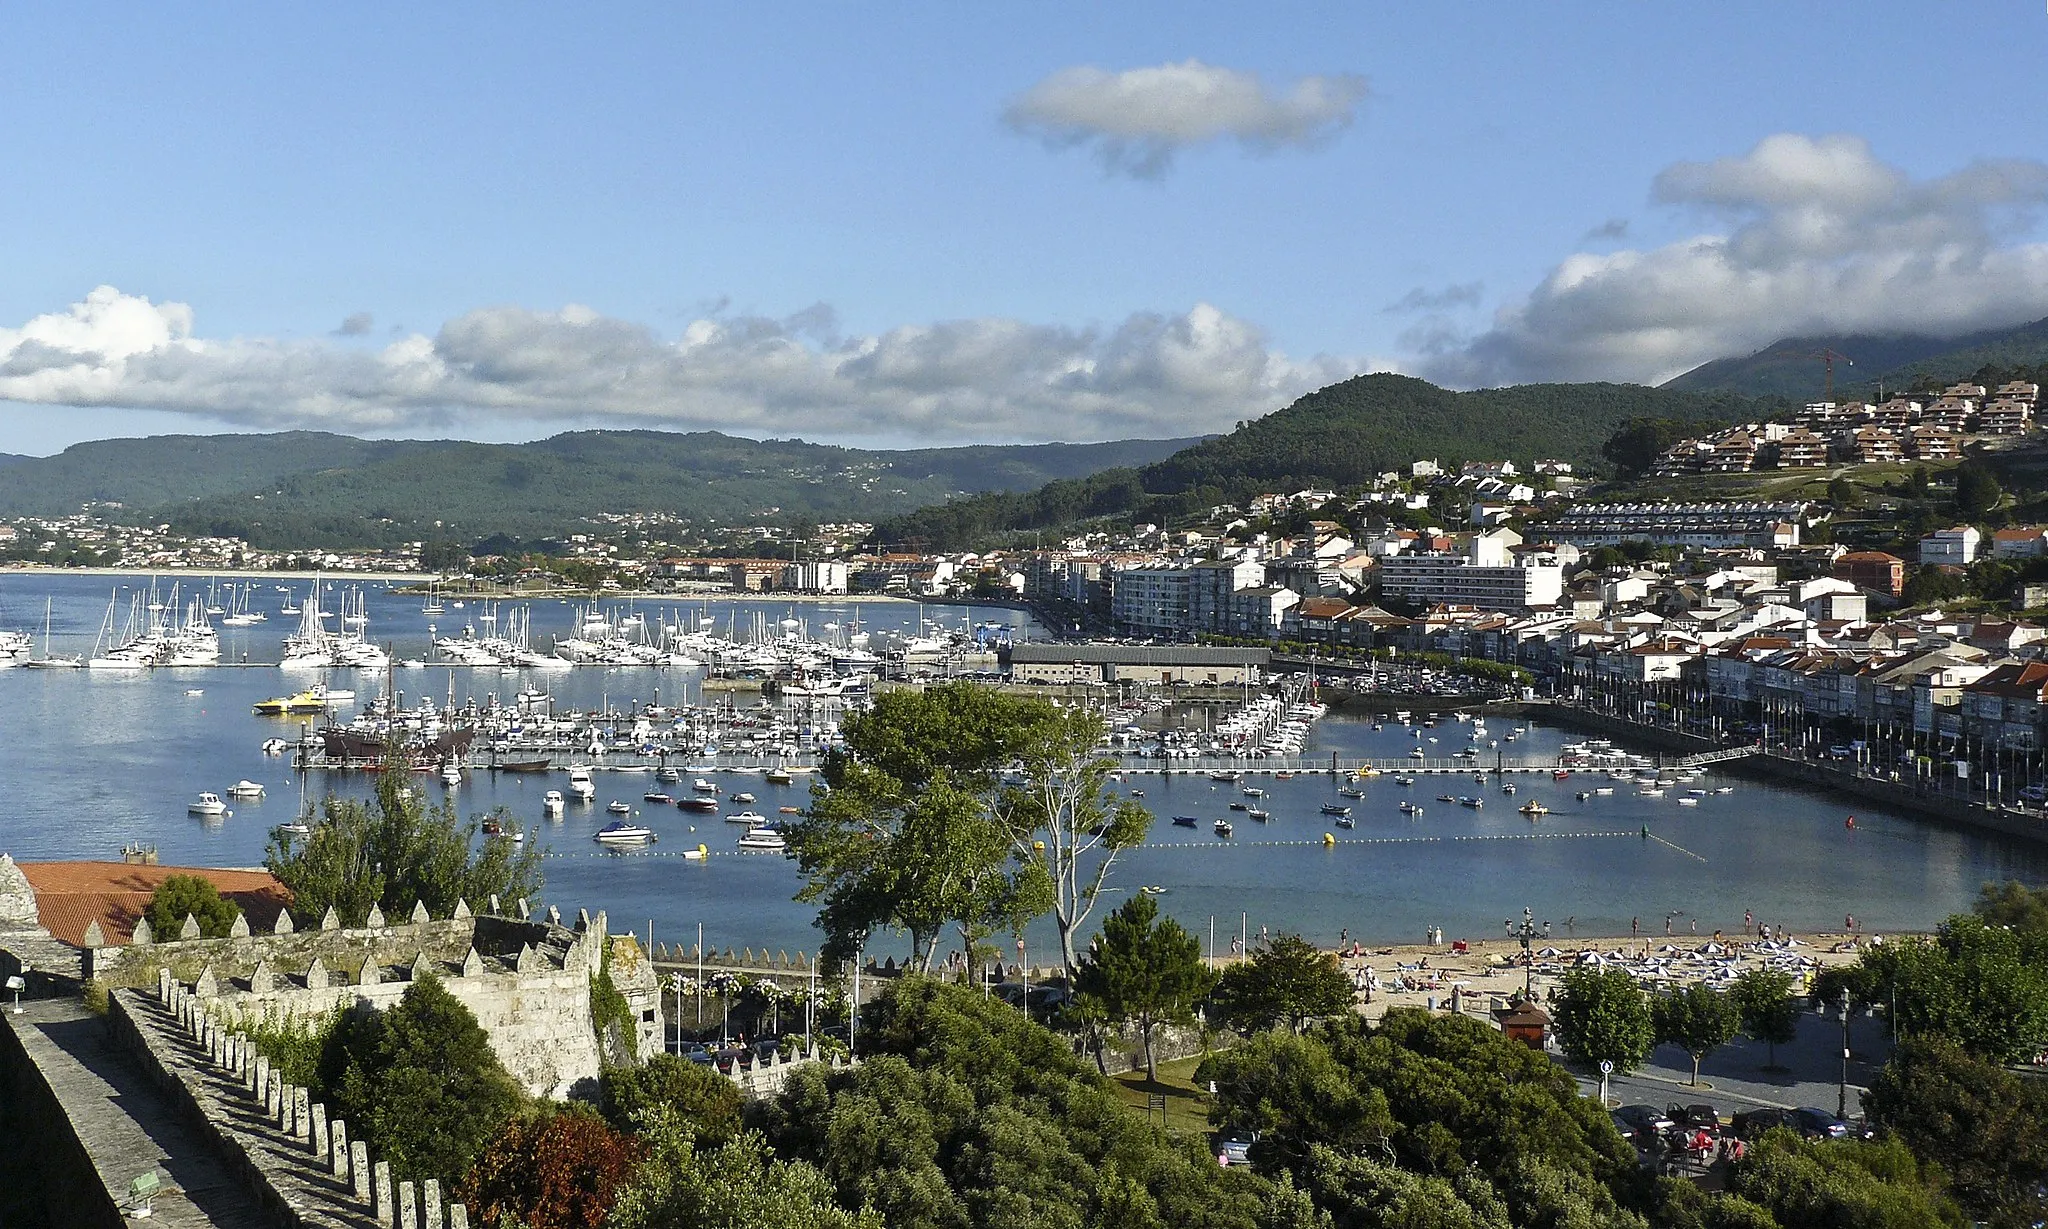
point(621, 832)
point(580, 783)
point(208, 804)
point(245, 788)
point(552, 804)
point(763, 840)
point(752, 819)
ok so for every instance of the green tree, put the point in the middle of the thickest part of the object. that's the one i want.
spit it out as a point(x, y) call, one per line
point(1769, 1013)
point(1977, 489)
point(1850, 1183)
point(903, 834)
point(1358, 1192)
point(397, 852)
point(738, 1185)
point(707, 1102)
point(1292, 1093)
point(1985, 987)
point(1065, 823)
point(1634, 447)
point(1599, 1015)
point(1985, 1126)
point(561, 1168)
point(2014, 906)
point(1145, 970)
point(1289, 981)
point(181, 895)
point(420, 1082)
point(1698, 1019)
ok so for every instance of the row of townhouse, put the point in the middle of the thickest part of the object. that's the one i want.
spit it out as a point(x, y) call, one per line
point(1902, 428)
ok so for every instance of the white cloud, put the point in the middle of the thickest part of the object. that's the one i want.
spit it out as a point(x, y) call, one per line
point(977, 379)
point(1812, 235)
point(1136, 120)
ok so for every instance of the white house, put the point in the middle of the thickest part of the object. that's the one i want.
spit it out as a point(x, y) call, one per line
point(1956, 546)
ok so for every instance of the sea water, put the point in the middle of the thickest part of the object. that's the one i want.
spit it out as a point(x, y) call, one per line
point(91, 761)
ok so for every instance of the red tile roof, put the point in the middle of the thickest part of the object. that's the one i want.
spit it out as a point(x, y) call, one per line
point(70, 895)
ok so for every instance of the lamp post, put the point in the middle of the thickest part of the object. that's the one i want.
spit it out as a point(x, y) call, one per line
point(1527, 932)
point(1842, 1089)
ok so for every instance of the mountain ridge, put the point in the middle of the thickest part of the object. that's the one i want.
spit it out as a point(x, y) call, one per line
point(294, 489)
point(1896, 362)
point(1341, 435)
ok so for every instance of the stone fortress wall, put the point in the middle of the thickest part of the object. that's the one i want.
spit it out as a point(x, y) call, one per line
point(527, 979)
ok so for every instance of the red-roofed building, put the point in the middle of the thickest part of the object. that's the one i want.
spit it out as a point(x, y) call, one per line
point(70, 896)
point(1873, 570)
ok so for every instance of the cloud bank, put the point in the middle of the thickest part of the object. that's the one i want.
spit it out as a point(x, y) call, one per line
point(1814, 235)
point(978, 379)
point(1135, 121)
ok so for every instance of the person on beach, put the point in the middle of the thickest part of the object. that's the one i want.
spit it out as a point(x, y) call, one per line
point(1635, 928)
point(1748, 922)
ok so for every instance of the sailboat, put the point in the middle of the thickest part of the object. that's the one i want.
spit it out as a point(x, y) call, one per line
point(49, 661)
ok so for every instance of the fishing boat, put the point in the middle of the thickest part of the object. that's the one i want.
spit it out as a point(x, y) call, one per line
point(1185, 821)
point(1404, 781)
point(1650, 791)
point(1260, 816)
point(208, 804)
point(656, 797)
point(1446, 797)
point(1409, 808)
point(1583, 794)
point(1508, 788)
point(275, 746)
point(1724, 789)
point(743, 798)
point(620, 832)
point(1137, 793)
point(1253, 791)
point(451, 774)
point(703, 787)
point(493, 828)
point(667, 776)
point(1331, 808)
point(245, 788)
point(580, 783)
point(762, 840)
point(790, 810)
point(1474, 803)
point(1240, 806)
point(1533, 808)
point(778, 776)
point(1560, 775)
point(1603, 791)
point(616, 807)
point(1348, 792)
point(552, 804)
point(1418, 754)
point(697, 803)
point(1223, 827)
point(1688, 802)
point(1345, 821)
point(752, 819)
point(1225, 776)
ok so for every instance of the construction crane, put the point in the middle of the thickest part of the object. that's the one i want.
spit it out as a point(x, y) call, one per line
point(1829, 358)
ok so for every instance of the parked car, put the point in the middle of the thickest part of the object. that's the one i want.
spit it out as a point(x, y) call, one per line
point(1751, 1124)
point(1235, 1147)
point(1642, 1125)
point(1819, 1124)
point(696, 1052)
point(1693, 1117)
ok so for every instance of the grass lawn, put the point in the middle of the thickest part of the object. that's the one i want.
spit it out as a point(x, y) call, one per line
point(1187, 1107)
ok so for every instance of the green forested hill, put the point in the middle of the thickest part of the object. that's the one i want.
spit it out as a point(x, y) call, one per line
point(309, 489)
point(1337, 436)
point(1789, 369)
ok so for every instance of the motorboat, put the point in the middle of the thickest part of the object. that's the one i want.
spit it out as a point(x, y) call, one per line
point(492, 828)
point(1185, 821)
point(1260, 816)
point(275, 746)
point(778, 776)
point(743, 798)
point(1345, 821)
point(620, 832)
point(1223, 827)
point(1688, 802)
point(667, 776)
point(1724, 789)
point(1348, 792)
point(1603, 791)
point(552, 804)
point(1240, 806)
point(1225, 776)
point(1404, 781)
point(207, 804)
point(1474, 803)
point(311, 700)
point(656, 797)
point(580, 783)
point(752, 819)
point(451, 773)
point(1418, 754)
point(1331, 808)
point(297, 827)
point(1650, 792)
point(697, 803)
point(1533, 808)
point(1446, 797)
point(762, 840)
point(1409, 808)
point(702, 786)
point(1583, 794)
point(619, 808)
point(245, 788)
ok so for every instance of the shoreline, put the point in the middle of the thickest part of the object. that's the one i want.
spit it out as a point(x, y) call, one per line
point(467, 594)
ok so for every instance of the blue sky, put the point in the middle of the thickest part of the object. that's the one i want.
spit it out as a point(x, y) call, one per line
point(915, 223)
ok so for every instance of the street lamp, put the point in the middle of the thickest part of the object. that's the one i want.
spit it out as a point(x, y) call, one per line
point(1842, 1089)
point(1527, 932)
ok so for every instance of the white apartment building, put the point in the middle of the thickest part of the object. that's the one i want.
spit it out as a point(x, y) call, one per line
point(1151, 601)
point(1955, 547)
point(1483, 576)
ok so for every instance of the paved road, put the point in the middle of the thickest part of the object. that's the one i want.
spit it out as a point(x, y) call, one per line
point(1738, 1081)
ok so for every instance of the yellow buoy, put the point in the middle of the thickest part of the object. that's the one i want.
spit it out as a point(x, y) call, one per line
point(1328, 839)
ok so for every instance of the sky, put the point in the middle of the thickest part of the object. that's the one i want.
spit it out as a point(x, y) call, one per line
point(911, 224)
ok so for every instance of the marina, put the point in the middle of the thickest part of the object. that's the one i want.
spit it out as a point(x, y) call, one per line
point(138, 749)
